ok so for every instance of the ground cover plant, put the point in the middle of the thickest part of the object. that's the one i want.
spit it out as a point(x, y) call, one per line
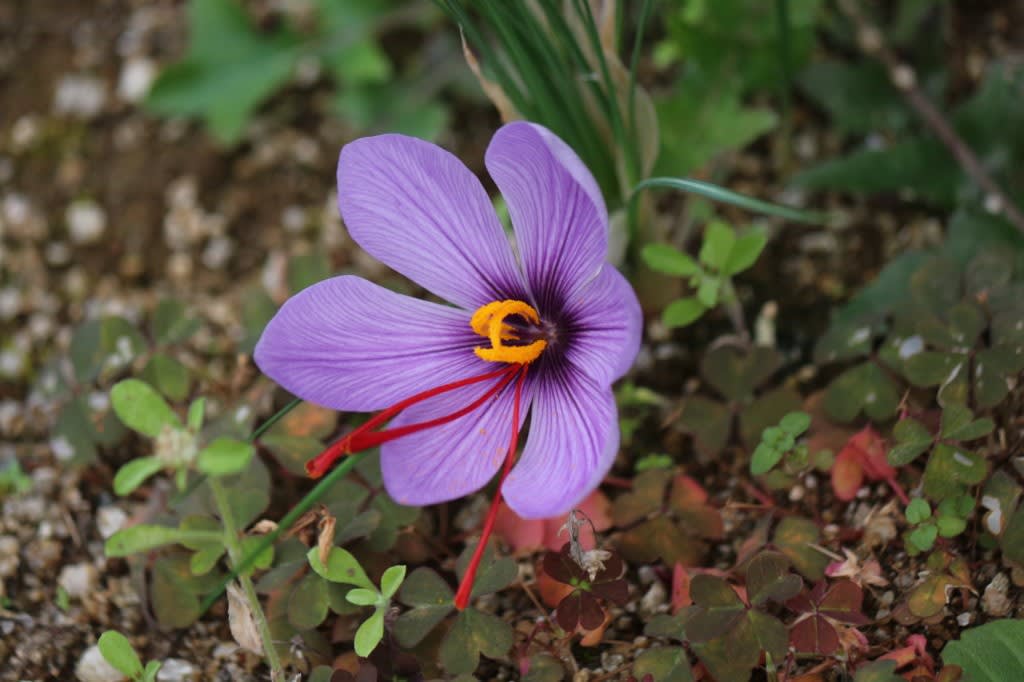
point(561, 340)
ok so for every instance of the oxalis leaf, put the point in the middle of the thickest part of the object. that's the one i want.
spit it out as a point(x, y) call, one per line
point(431, 599)
point(474, 633)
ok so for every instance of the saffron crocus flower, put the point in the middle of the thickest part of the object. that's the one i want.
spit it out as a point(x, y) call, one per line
point(545, 334)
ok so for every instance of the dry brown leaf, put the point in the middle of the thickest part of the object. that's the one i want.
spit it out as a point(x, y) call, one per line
point(242, 622)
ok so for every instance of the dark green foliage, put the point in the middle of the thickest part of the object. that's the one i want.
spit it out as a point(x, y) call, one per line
point(989, 653)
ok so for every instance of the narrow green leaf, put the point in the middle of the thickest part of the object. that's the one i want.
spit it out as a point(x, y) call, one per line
point(141, 408)
point(669, 260)
point(361, 596)
point(391, 580)
point(144, 537)
point(134, 473)
point(369, 634)
point(118, 652)
point(196, 412)
point(152, 668)
point(717, 193)
point(682, 312)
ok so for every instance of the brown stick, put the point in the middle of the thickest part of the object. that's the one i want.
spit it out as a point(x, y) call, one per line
point(871, 40)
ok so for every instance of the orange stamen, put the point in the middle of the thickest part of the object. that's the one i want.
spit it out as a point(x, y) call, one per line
point(466, 586)
point(364, 436)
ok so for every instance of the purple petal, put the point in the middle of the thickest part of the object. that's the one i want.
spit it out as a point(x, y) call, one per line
point(607, 326)
point(574, 436)
point(559, 217)
point(449, 461)
point(416, 208)
point(349, 344)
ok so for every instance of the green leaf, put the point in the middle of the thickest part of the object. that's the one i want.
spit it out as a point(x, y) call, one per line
point(708, 291)
point(709, 422)
point(912, 439)
point(144, 537)
point(794, 537)
point(924, 536)
point(664, 664)
point(989, 653)
point(172, 322)
point(134, 473)
point(369, 634)
point(918, 510)
point(878, 671)
point(118, 652)
point(431, 599)
point(764, 459)
point(168, 375)
point(950, 526)
point(681, 312)
point(950, 469)
point(719, 239)
point(307, 603)
point(341, 567)
point(796, 422)
point(224, 457)
point(152, 668)
point(745, 251)
point(228, 71)
point(141, 408)
point(865, 387)
point(958, 423)
point(474, 633)
point(196, 412)
point(361, 596)
point(391, 580)
point(669, 260)
point(858, 96)
point(736, 373)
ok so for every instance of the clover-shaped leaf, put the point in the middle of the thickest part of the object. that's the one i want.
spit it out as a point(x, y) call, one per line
point(431, 600)
point(735, 372)
point(665, 664)
point(794, 537)
point(912, 438)
point(768, 578)
point(950, 469)
point(866, 388)
point(582, 606)
point(473, 634)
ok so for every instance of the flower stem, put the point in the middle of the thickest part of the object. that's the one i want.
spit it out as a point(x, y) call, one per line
point(220, 499)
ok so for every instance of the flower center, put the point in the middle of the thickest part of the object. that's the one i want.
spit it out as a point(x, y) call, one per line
point(509, 321)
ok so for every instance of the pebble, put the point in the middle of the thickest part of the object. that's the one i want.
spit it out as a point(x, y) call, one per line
point(86, 221)
point(654, 598)
point(78, 580)
point(136, 77)
point(995, 601)
point(9, 559)
point(92, 667)
point(177, 670)
point(78, 95)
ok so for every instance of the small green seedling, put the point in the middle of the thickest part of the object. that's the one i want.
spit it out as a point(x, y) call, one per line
point(723, 255)
point(176, 445)
point(118, 652)
point(13, 481)
point(342, 567)
point(778, 442)
point(949, 520)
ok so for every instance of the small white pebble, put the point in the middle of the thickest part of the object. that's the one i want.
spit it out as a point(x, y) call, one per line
point(10, 303)
point(136, 77)
point(58, 253)
point(86, 221)
point(109, 520)
point(82, 96)
point(964, 619)
point(654, 598)
point(796, 493)
point(78, 580)
point(176, 670)
point(92, 667)
point(62, 448)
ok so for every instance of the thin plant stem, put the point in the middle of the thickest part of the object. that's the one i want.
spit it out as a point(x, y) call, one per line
point(234, 548)
point(786, 66)
point(732, 306)
point(872, 42)
point(634, 61)
point(284, 524)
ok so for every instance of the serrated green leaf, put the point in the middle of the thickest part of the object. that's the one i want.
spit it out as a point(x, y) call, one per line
point(225, 457)
point(118, 652)
point(141, 408)
point(669, 260)
point(134, 473)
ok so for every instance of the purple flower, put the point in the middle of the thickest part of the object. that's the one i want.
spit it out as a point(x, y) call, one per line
point(545, 334)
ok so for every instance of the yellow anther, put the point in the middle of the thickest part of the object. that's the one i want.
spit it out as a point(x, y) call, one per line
point(489, 321)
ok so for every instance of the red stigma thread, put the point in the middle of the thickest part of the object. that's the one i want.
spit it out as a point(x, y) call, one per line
point(466, 586)
point(364, 436)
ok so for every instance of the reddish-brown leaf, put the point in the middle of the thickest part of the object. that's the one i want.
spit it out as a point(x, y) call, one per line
point(814, 635)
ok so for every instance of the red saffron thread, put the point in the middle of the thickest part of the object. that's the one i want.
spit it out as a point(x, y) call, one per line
point(364, 437)
point(466, 586)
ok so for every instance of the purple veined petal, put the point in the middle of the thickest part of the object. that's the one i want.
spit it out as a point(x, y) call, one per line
point(608, 324)
point(452, 460)
point(352, 345)
point(416, 208)
point(574, 436)
point(559, 217)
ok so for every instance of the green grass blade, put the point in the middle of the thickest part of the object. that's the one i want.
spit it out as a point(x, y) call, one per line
point(725, 196)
